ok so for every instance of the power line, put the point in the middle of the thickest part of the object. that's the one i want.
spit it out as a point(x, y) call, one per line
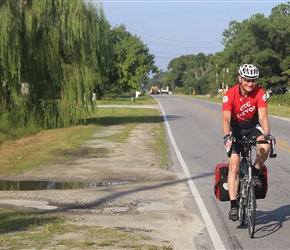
point(161, 59)
point(172, 40)
point(167, 39)
point(184, 47)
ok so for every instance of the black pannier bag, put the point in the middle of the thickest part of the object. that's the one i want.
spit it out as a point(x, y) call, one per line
point(261, 191)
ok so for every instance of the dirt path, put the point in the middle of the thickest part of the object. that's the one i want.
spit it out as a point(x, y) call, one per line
point(142, 196)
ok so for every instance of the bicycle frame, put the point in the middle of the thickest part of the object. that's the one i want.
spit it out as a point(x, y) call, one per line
point(246, 191)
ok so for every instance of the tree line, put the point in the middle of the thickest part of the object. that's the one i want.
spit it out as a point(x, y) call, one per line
point(262, 41)
point(58, 56)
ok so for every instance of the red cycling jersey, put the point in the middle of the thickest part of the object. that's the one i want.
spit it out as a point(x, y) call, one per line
point(244, 109)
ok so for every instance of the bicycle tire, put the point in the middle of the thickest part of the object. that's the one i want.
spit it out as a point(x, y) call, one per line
point(241, 202)
point(251, 207)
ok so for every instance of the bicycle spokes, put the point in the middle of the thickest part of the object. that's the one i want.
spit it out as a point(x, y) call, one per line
point(251, 209)
point(241, 202)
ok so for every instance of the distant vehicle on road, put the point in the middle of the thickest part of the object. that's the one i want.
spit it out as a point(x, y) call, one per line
point(164, 90)
point(154, 90)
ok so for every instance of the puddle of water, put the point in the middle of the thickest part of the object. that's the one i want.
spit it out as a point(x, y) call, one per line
point(49, 185)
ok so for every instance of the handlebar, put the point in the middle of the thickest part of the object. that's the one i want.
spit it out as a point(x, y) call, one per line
point(253, 142)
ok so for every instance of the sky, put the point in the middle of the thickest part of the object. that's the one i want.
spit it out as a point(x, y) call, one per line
point(173, 28)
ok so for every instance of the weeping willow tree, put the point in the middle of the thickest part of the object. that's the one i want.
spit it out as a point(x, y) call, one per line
point(53, 55)
point(10, 58)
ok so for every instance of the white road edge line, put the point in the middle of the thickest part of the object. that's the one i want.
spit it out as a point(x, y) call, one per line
point(216, 240)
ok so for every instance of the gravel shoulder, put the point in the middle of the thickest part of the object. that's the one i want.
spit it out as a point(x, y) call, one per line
point(143, 196)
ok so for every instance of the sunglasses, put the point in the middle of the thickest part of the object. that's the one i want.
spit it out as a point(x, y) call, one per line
point(249, 80)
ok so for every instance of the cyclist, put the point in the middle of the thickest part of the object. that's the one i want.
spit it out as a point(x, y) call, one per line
point(244, 112)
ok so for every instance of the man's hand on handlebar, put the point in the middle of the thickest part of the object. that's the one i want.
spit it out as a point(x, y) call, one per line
point(270, 138)
point(272, 141)
point(228, 141)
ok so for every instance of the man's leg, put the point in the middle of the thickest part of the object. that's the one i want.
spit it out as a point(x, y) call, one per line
point(261, 157)
point(262, 153)
point(234, 162)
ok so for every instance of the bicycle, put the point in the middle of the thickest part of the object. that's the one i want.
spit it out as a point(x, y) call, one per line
point(246, 191)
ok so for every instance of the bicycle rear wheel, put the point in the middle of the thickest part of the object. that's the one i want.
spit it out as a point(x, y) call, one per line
point(251, 207)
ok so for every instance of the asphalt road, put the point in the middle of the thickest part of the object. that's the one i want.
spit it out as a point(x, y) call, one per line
point(194, 128)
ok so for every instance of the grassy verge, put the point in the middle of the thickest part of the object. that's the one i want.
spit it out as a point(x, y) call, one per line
point(30, 230)
point(42, 148)
point(58, 144)
point(9, 132)
point(22, 230)
point(142, 100)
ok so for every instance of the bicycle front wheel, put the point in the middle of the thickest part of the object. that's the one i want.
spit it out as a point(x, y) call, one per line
point(241, 202)
point(251, 207)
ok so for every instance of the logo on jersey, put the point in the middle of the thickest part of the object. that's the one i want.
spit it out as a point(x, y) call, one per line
point(245, 109)
point(264, 97)
point(225, 99)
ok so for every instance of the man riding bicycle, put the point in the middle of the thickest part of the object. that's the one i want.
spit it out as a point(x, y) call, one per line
point(244, 113)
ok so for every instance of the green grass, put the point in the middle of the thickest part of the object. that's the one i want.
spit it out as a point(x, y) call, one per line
point(141, 100)
point(44, 147)
point(279, 110)
point(117, 116)
point(9, 132)
point(23, 230)
point(60, 144)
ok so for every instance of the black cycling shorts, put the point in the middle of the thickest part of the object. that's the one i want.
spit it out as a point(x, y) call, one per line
point(249, 133)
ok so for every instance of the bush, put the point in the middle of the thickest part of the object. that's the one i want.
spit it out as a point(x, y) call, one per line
point(283, 99)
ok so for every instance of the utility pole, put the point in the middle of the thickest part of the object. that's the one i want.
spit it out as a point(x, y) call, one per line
point(216, 77)
point(225, 70)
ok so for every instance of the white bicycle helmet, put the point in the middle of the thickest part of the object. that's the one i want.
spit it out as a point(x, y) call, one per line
point(249, 71)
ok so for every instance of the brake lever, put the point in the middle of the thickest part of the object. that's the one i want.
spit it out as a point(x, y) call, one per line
point(272, 155)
